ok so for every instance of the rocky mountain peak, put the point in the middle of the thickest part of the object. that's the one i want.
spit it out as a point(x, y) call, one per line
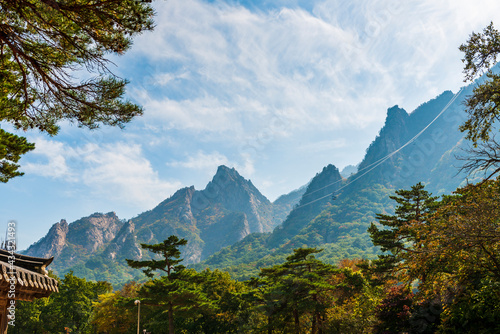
point(233, 192)
point(124, 244)
point(319, 193)
point(94, 231)
point(53, 243)
point(62, 224)
point(226, 172)
point(396, 112)
point(324, 183)
point(228, 185)
point(395, 122)
point(225, 177)
point(390, 138)
point(86, 234)
point(184, 194)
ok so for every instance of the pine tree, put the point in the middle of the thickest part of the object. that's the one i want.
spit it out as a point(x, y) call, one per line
point(480, 54)
point(43, 44)
point(169, 249)
point(295, 289)
point(399, 235)
point(177, 290)
point(11, 149)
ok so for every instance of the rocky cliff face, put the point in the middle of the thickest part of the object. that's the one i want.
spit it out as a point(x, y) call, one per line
point(92, 232)
point(124, 244)
point(53, 243)
point(226, 211)
point(68, 243)
point(410, 146)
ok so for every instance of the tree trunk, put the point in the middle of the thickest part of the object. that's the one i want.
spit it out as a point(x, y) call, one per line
point(170, 318)
point(320, 323)
point(297, 323)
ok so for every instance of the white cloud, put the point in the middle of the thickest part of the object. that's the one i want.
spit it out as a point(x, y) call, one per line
point(208, 162)
point(117, 172)
point(202, 161)
point(121, 171)
point(323, 146)
point(247, 167)
point(240, 68)
point(227, 70)
point(50, 159)
point(205, 113)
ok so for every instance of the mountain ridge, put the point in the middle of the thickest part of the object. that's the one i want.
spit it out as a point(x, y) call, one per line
point(230, 225)
point(401, 155)
point(229, 208)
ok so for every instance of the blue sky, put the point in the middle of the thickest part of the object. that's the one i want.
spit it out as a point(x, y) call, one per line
point(276, 89)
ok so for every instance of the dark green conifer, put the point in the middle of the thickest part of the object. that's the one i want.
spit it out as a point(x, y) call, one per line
point(42, 45)
point(296, 289)
point(397, 236)
point(177, 290)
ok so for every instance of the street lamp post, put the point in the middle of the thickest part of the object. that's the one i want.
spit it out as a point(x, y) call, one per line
point(138, 302)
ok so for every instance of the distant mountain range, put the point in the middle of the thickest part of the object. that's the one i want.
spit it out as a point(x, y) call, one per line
point(226, 211)
point(231, 225)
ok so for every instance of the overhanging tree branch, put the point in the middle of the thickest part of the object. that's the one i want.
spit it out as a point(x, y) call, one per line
point(484, 157)
point(42, 41)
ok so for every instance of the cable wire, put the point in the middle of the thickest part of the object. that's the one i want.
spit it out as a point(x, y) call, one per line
point(380, 161)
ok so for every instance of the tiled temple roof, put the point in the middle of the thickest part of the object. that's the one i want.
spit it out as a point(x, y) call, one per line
point(29, 277)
